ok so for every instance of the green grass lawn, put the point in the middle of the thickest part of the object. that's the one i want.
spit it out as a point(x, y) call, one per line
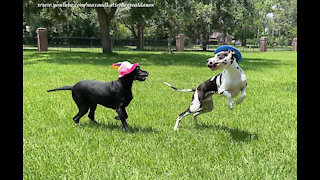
point(257, 140)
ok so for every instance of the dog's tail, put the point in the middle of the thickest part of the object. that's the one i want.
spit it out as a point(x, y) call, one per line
point(61, 88)
point(182, 90)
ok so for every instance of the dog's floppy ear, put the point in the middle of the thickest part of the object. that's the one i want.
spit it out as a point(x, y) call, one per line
point(232, 52)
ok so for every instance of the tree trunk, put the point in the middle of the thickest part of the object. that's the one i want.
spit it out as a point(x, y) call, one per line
point(104, 26)
point(140, 37)
point(204, 45)
point(263, 23)
point(244, 43)
point(169, 41)
point(135, 35)
point(205, 39)
point(279, 40)
point(244, 38)
point(223, 38)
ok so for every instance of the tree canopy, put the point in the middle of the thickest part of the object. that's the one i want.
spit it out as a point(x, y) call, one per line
point(244, 20)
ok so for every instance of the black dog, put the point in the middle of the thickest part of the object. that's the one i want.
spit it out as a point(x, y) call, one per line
point(116, 95)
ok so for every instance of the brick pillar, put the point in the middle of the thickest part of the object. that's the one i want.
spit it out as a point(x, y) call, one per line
point(229, 39)
point(42, 36)
point(263, 44)
point(180, 42)
point(294, 44)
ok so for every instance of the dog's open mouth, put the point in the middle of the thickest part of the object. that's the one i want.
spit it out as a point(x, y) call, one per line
point(143, 76)
point(212, 67)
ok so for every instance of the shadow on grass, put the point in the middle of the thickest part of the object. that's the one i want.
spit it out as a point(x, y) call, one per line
point(236, 134)
point(193, 59)
point(118, 127)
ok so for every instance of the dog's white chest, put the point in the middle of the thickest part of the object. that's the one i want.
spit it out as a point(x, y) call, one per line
point(232, 83)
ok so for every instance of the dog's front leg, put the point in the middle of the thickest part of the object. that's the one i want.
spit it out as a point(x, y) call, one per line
point(229, 99)
point(242, 96)
point(123, 116)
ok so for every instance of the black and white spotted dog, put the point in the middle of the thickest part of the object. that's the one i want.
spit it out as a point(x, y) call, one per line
point(229, 83)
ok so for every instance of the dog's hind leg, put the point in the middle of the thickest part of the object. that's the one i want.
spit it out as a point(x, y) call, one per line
point(91, 113)
point(182, 115)
point(83, 107)
point(195, 119)
point(207, 106)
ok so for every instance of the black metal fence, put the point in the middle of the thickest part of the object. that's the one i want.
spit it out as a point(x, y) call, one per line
point(93, 44)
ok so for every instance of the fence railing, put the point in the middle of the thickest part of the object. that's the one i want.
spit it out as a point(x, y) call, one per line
point(93, 44)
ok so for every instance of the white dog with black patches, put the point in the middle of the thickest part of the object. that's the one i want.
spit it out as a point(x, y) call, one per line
point(229, 83)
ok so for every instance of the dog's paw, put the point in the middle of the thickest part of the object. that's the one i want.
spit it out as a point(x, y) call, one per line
point(76, 122)
point(198, 124)
point(117, 118)
point(239, 101)
point(175, 128)
point(230, 104)
point(78, 125)
point(94, 121)
point(127, 130)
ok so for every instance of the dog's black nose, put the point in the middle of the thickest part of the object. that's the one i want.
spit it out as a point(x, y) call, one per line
point(145, 73)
